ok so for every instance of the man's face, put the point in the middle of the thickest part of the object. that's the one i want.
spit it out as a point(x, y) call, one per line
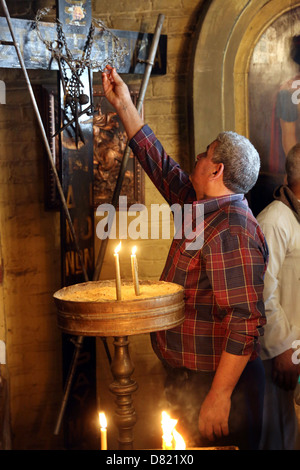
point(203, 169)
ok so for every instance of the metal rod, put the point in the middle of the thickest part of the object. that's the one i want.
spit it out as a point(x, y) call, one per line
point(6, 43)
point(40, 123)
point(78, 346)
point(123, 167)
point(68, 383)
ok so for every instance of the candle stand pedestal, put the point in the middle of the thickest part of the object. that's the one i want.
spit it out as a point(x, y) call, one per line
point(161, 308)
point(123, 387)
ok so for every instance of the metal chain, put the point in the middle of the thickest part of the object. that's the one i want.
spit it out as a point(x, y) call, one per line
point(115, 59)
point(76, 66)
point(71, 68)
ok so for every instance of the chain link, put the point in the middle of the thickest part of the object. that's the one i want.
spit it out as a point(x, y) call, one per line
point(71, 68)
point(116, 57)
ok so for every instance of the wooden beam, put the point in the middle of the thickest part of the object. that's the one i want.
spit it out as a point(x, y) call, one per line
point(36, 56)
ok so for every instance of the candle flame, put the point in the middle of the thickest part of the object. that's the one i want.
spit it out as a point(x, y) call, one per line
point(171, 438)
point(179, 441)
point(103, 421)
point(167, 425)
point(133, 251)
point(117, 249)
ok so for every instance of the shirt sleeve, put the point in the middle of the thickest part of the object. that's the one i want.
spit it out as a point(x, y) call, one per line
point(278, 332)
point(235, 266)
point(172, 182)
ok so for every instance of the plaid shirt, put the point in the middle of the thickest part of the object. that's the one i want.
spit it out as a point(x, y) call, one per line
point(223, 281)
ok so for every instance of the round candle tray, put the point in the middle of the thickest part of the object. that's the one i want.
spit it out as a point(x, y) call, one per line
point(159, 307)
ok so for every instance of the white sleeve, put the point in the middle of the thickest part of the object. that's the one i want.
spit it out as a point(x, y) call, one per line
point(278, 336)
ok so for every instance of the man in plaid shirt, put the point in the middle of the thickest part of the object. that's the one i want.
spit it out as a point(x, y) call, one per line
point(215, 377)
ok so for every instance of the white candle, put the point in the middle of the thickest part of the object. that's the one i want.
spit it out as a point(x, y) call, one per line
point(103, 431)
point(134, 269)
point(118, 275)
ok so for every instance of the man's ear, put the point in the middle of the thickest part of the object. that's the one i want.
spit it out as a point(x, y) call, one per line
point(218, 171)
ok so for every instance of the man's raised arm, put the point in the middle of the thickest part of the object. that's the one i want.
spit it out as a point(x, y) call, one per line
point(117, 93)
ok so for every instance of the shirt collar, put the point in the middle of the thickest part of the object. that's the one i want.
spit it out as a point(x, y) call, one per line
point(213, 204)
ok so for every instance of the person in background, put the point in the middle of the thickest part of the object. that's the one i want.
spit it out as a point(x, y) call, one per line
point(280, 222)
point(285, 122)
point(215, 378)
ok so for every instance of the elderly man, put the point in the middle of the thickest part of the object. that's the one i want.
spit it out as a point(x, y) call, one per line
point(215, 378)
point(280, 222)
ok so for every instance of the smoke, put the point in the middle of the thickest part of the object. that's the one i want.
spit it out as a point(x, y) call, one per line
point(184, 397)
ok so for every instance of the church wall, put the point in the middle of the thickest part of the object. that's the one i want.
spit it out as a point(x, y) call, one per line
point(29, 236)
point(30, 252)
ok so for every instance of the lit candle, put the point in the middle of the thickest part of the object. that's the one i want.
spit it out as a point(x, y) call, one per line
point(134, 269)
point(171, 439)
point(168, 425)
point(118, 275)
point(103, 431)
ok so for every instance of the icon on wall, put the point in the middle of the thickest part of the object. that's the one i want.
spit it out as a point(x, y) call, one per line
point(274, 111)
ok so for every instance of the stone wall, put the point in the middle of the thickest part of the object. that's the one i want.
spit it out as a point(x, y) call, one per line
point(29, 236)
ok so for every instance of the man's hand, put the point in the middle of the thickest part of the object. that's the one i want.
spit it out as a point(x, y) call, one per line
point(115, 90)
point(214, 414)
point(117, 93)
point(284, 373)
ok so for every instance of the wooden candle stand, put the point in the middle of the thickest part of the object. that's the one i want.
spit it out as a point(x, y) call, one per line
point(86, 310)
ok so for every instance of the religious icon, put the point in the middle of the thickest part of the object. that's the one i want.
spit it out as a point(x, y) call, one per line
point(274, 119)
point(109, 145)
point(77, 13)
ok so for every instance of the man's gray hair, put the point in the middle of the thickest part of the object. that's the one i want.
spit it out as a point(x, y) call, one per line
point(292, 165)
point(241, 161)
